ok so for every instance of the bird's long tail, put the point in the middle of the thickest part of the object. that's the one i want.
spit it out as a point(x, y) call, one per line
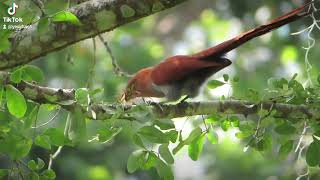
point(237, 41)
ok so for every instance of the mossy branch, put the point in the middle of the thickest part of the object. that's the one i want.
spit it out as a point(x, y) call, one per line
point(95, 16)
point(66, 98)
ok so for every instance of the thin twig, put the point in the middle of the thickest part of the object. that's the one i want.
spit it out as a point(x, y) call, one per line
point(305, 127)
point(116, 68)
point(261, 118)
point(304, 175)
point(58, 151)
point(94, 62)
point(54, 156)
point(19, 170)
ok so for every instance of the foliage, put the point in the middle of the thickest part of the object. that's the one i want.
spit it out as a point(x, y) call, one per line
point(145, 143)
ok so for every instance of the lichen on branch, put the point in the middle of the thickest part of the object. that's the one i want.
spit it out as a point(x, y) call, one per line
point(95, 16)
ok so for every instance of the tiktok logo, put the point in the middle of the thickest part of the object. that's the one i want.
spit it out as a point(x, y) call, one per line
point(12, 9)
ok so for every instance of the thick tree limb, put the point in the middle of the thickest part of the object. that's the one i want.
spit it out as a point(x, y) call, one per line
point(97, 16)
point(66, 98)
point(206, 108)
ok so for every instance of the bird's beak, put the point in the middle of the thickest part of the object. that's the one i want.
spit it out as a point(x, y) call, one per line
point(123, 98)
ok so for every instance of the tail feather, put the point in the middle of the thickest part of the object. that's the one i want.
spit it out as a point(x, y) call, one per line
point(237, 41)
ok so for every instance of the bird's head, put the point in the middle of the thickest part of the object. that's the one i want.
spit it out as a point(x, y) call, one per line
point(140, 85)
point(131, 91)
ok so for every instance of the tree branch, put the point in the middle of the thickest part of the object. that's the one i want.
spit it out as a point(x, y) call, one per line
point(66, 98)
point(238, 107)
point(97, 16)
point(40, 94)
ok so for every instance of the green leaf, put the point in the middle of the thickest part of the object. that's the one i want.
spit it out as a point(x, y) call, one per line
point(285, 149)
point(195, 148)
point(178, 148)
point(30, 119)
point(127, 11)
point(134, 161)
point(16, 76)
point(1, 94)
point(34, 176)
point(164, 124)
point(43, 141)
point(49, 174)
point(20, 148)
point(153, 134)
point(151, 161)
point(138, 141)
point(43, 25)
point(285, 129)
point(214, 84)
point(312, 154)
point(141, 113)
point(264, 144)
point(195, 133)
point(172, 135)
point(242, 135)
point(32, 165)
point(4, 39)
point(253, 95)
point(166, 154)
point(226, 77)
point(213, 119)
point(236, 79)
point(82, 96)
point(164, 171)
point(49, 107)
point(16, 103)
point(31, 72)
point(40, 164)
point(78, 129)
point(213, 136)
point(247, 127)
point(261, 145)
point(66, 16)
point(3, 172)
point(56, 137)
point(105, 135)
point(277, 83)
point(235, 122)
point(225, 125)
point(95, 91)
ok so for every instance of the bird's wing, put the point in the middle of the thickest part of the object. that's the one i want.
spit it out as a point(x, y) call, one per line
point(237, 41)
point(178, 67)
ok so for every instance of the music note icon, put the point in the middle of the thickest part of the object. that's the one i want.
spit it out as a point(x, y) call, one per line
point(12, 9)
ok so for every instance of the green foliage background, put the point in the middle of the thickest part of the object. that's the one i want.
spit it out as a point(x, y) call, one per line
point(187, 28)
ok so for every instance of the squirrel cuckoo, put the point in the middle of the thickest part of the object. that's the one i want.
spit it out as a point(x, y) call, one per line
point(184, 74)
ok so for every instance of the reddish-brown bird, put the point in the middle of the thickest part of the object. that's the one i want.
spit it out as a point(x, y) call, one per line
point(184, 75)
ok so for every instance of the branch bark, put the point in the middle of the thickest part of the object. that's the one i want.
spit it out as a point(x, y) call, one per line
point(97, 16)
point(66, 98)
point(238, 107)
